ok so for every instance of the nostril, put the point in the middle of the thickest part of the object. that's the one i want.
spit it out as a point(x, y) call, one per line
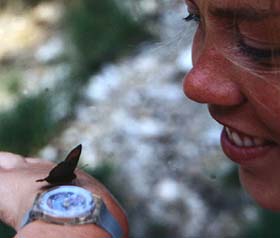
point(10, 161)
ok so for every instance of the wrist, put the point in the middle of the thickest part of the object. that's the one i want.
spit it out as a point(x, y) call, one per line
point(41, 229)
point(74, 206)
point(25, 203)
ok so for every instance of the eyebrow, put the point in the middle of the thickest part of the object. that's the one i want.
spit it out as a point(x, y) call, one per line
point(243, 13)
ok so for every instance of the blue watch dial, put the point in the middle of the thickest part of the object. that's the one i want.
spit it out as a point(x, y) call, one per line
point(67, 201)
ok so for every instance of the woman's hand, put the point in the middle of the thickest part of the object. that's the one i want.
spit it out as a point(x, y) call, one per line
point(18, 190)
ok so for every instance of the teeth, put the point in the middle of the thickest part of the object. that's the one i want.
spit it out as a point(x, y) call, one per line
point(228, 133)
point(248, 142)
point(236, 139)
point(243, 141)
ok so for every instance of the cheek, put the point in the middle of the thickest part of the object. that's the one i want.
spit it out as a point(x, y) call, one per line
point(264, 95)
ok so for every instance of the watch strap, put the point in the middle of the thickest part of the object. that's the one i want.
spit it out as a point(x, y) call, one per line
point(26, 219)
point(108, 222)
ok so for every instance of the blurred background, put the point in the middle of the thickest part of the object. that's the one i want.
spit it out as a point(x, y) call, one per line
point(107, 74)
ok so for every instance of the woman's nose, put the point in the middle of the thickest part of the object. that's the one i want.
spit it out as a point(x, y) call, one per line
point(212, 81)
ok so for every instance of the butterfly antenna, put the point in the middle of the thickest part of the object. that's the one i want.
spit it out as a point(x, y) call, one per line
point(40, 180)
point(84, 166)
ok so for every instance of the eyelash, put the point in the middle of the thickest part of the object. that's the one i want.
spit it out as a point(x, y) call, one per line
point(255, 54)
point(192, 17)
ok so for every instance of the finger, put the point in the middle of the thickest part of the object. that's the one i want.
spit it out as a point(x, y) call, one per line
point(37, 161)
point(10, 161)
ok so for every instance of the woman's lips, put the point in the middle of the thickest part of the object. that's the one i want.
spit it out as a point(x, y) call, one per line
point(244, 149)
point(242, 140)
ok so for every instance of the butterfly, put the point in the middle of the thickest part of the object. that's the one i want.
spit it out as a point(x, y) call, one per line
point(64, 171)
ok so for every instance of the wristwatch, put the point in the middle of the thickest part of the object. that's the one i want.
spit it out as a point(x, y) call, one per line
point(72, 205)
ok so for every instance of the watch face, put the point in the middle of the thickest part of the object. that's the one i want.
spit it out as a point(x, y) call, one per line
point(67, 202)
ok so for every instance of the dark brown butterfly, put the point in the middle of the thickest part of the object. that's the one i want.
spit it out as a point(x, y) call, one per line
point(64, 171)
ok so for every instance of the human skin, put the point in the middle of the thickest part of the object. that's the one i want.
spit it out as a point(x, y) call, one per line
point(241, 85)
point(18, 189)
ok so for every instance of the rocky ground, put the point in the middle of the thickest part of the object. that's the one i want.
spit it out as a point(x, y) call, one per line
point(165, 148)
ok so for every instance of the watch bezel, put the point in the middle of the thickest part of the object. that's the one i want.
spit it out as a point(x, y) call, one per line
point(90, 216)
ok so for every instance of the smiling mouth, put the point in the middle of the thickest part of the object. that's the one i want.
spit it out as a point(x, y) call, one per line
point(241, 140)
point(244, 149)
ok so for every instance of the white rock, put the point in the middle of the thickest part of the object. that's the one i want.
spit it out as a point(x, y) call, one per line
point(212, 135)
point(184, 60)
point(168, 190)
point(49, 153)
point(102, 84)
point(51, 50)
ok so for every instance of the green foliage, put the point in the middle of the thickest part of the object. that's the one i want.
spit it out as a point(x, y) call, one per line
point(231, 179)
point(27, 126)
point(100, 30)
point(31, 2)
point(103, 172)
point(13, 86)
point(268, 226)
point(18, 4)
point(6, 231)
point(160, 230)
point(10, 80)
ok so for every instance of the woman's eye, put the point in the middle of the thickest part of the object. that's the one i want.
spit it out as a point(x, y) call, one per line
point(265, 57)
point(192, 17)
point(256, 53)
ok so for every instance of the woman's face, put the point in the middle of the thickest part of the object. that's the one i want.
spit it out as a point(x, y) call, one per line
point(236, 58)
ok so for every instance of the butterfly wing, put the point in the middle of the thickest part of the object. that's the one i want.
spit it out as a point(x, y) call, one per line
point(64, 171)
point(72, 159)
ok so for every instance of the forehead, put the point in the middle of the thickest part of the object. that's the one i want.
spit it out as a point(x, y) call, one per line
point(257, 4)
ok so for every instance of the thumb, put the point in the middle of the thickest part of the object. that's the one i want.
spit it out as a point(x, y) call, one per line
point(10, 161)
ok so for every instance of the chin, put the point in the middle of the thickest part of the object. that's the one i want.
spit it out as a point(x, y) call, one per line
point(265, 194)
